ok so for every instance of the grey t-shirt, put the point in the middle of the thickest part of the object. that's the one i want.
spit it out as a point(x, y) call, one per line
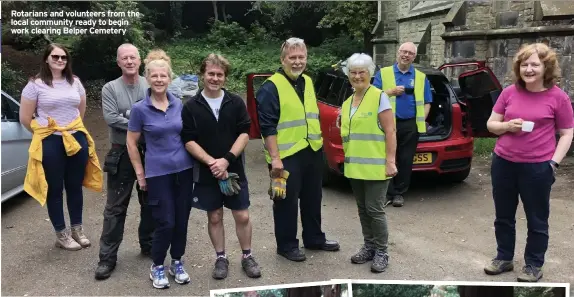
point(117, 101)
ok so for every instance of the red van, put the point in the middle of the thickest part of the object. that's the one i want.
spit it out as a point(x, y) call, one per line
point(463, 97)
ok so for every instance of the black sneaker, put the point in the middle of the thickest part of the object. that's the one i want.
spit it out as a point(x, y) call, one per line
point(398, 201)
point(363, 255)
point(530, 273)
point(251, 267)
point(498, 266)
point(380, 262)
point(221, 268)
point(295, 254)
point(104, 271)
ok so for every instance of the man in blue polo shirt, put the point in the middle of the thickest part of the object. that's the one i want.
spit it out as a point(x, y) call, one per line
point(410, 94)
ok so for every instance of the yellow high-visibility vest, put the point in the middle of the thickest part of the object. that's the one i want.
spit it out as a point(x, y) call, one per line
point(364, 142)
point(298, 125)
point(388, 80)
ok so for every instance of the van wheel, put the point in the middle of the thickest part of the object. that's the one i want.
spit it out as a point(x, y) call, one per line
point(457, 177)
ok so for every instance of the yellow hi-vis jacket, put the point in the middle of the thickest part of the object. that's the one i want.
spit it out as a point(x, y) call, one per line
point(388, 81)
point(35, 183)
point(364, 142)
point(298, 124)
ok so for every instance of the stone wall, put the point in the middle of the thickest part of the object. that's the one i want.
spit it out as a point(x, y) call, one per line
point(493, 31)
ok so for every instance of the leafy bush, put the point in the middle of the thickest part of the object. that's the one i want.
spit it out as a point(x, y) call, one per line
point(13, 81)
point(372, 290)
point(231, 34)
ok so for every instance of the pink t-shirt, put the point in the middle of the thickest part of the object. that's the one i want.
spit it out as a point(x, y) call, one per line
point(60, 102)
point(550, 110)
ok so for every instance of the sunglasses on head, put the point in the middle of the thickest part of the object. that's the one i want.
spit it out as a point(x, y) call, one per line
point(58, 57)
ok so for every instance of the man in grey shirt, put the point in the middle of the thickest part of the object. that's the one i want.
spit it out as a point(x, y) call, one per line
point(118, 96)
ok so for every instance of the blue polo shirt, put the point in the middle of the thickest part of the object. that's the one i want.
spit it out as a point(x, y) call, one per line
point(165, 153)
point(406, 105)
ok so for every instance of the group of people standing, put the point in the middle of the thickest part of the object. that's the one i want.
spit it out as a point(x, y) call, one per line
point(183, 155)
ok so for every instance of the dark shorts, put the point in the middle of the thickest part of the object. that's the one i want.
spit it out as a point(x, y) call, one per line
point(209, 197)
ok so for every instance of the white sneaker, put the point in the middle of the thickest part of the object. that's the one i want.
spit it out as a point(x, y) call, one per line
point(178, 272)
point(157, 275)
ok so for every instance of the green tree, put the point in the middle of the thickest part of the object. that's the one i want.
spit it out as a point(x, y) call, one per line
point(358, 17)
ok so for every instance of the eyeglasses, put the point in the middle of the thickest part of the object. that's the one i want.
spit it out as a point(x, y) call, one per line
point(58, 57)
point(403, 52)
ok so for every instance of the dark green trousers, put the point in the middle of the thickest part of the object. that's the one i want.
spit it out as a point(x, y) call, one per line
point(370, 196)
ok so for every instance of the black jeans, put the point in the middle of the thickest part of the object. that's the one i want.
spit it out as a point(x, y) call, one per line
point(170, 204)
point(532, 182)
point(304, 188)
point(120, 182)
point(64, 172)
point(407, 141)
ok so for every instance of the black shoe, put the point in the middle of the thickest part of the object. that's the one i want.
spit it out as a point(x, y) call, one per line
point(104, 271)
point(295, 255)
point(329, 245)
point(398, 201)
point(221, 268)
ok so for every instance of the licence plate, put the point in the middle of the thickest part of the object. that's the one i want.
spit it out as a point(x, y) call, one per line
point(422, 158)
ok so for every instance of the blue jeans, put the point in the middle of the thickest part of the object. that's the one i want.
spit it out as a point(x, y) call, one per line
point(64, 172)
point(533, 182)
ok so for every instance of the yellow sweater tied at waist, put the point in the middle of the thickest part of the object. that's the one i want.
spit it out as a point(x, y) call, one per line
point(35, 183)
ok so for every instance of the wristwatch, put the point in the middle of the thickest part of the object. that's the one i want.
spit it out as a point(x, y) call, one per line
point(554, 164)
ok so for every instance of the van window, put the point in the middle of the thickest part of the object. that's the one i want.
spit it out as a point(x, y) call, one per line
point(323, 88)
point(334, 95)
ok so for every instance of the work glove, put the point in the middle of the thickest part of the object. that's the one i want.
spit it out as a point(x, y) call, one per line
point(278, 186)
point(230, 186)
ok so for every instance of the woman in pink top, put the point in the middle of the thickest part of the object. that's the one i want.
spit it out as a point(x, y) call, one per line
point(527, 115)
point(56, 93)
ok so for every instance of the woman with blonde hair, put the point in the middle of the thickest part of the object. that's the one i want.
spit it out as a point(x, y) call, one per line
point(167, 176)
point(526, 117)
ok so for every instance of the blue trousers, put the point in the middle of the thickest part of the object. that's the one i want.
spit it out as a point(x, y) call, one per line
point(64, 172)
point(169, 198)
point(532, 182)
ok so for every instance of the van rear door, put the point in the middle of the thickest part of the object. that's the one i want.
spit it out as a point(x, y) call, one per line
point(478, 91)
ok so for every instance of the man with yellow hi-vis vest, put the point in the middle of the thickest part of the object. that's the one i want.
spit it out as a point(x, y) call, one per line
point(289, 121)
point(411, 97)
point(369, 141)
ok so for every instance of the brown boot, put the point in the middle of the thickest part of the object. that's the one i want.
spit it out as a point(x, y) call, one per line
point(79, 236)
point(65, 241)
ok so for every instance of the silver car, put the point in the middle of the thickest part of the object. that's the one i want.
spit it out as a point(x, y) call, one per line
point(15, 144)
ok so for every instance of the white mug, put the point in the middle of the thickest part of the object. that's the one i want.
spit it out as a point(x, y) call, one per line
point(527, 126)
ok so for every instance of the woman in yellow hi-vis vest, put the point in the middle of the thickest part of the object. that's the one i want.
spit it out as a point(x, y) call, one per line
point(369, 143)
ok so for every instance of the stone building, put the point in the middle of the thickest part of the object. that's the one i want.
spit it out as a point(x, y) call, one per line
point(492, 31)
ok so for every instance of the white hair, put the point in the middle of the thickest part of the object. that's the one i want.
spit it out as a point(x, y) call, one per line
point(360, 60)
point(127, 46)
point(291, 43)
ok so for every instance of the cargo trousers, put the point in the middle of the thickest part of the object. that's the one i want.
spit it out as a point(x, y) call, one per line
point(120, 182)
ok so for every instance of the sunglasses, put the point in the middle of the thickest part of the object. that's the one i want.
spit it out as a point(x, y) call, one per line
point(58, 57)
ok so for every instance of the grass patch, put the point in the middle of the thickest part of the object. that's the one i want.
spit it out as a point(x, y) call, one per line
point(484, 146)
point(187, 55)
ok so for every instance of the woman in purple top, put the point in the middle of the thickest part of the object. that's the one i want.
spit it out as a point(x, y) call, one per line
point(56, 93)
point(168, 176)
point(527, 115)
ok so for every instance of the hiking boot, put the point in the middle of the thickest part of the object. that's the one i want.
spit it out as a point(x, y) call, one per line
point(250, 267)
point(365, 254)
point(79, 236)
point(65, 241)
point(398, 201)
point(380, 262)
point(498, 266)
point(221, 268)
point(530, 273)
point(178, 272)
point(157, 275)
point(104, 271)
